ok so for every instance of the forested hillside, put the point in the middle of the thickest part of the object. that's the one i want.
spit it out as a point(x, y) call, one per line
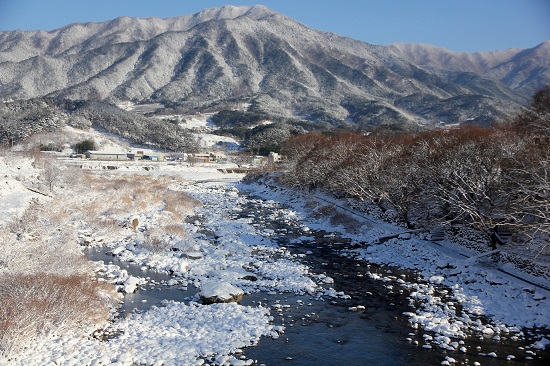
point(22, 119)
point(252, 55)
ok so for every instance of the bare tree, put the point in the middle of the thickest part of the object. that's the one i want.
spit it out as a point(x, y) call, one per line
point(51, 173)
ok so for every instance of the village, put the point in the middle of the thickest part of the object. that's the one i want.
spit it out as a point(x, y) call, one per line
point(240, 162)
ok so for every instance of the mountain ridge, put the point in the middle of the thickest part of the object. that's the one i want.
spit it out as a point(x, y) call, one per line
point(523, 70)
point(145, 28)
point(248, 54)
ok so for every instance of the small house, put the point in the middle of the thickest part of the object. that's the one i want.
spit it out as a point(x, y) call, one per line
point(274, 158)
point(153, 157)
point(200, 158)
point(105, 155)
point(217, 156)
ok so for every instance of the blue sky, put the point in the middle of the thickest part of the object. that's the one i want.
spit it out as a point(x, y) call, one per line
point(460, 25)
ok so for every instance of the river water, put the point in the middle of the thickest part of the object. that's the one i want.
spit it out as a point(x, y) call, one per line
point(367, 327)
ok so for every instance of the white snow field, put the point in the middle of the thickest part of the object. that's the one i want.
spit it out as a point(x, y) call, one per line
point(174, 334)
point(14, 196)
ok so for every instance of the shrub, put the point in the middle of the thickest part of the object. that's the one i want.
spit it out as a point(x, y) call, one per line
point(485, 178)
point(49, 147)
point(84, 145)
point(43, 304)
point(154, 241)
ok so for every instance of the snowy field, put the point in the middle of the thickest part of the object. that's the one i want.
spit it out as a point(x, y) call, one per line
point(14, 196)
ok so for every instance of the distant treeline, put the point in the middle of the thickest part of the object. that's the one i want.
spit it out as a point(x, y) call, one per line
point(21, 119)
point(260, 132)
point(133, 126)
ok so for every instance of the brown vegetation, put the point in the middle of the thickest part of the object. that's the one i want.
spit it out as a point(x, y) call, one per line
point(45, 281)
point(123, 198)
point(41, 304)
point(484, 178)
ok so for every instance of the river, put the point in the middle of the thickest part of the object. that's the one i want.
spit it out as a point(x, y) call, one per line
point(364, 327)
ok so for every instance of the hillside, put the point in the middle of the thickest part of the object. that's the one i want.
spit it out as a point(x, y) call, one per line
point(218, 57)
point(524, 71)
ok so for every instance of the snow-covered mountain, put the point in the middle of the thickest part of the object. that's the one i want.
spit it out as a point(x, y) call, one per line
point(523, 70)
point(250, 54)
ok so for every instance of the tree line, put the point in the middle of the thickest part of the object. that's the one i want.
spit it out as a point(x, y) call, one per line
point(132, 126)
point(22, 119)
point(486, 178)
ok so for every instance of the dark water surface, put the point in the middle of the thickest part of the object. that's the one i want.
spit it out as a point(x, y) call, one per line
point(326, 331)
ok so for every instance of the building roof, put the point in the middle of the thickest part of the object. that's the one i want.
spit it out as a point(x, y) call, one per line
point(104, 152)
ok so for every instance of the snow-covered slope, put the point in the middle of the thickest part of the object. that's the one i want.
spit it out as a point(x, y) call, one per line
point(14, 196)
point(525, 70)
point(234, 54)
point(21, 45)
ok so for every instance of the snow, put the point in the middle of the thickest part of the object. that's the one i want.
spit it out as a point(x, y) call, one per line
point(130, 284)
point(184, 171)
point(104, 141)
point(480, 290)
point(184, 333)
point(542, 344)
point(207, 140)
point(178, 333)
point(506, 303)
point(140, 108)
point(202, 128)
point(14, 195)
point(175, 333)
point(222, 290)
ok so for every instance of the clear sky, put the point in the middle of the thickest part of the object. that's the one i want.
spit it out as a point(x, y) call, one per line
point(459, 25)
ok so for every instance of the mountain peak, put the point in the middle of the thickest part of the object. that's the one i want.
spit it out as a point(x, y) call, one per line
point(260, 11)
point(254, 12)
point(231, 54)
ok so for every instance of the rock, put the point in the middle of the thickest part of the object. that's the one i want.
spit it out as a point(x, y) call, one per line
point(134, 223)
point(220, 292)
point(116, 251)
point(180, 266)
point(193, 255)
point(130, 285)
point(405, 236)
point(86, 240)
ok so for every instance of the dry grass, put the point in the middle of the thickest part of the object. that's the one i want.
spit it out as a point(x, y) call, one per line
point(132, 195)
point(179, 204)
point(42, 304)
point(323, 211)
point(174, 230)
point(33, 244)
point(154, 241)
point(44, 286)
point(339, 218)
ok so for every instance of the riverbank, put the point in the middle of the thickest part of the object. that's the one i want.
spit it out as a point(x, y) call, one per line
point(485, 301)
point(280, 247)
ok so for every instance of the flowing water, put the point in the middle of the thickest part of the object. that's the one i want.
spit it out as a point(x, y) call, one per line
point(333, 331)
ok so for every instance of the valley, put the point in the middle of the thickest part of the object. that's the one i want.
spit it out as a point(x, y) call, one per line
point(234, 188)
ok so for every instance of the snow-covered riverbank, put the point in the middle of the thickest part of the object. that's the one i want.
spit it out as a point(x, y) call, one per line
point(454, 297)
point(480, 300)
point(186, 333)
